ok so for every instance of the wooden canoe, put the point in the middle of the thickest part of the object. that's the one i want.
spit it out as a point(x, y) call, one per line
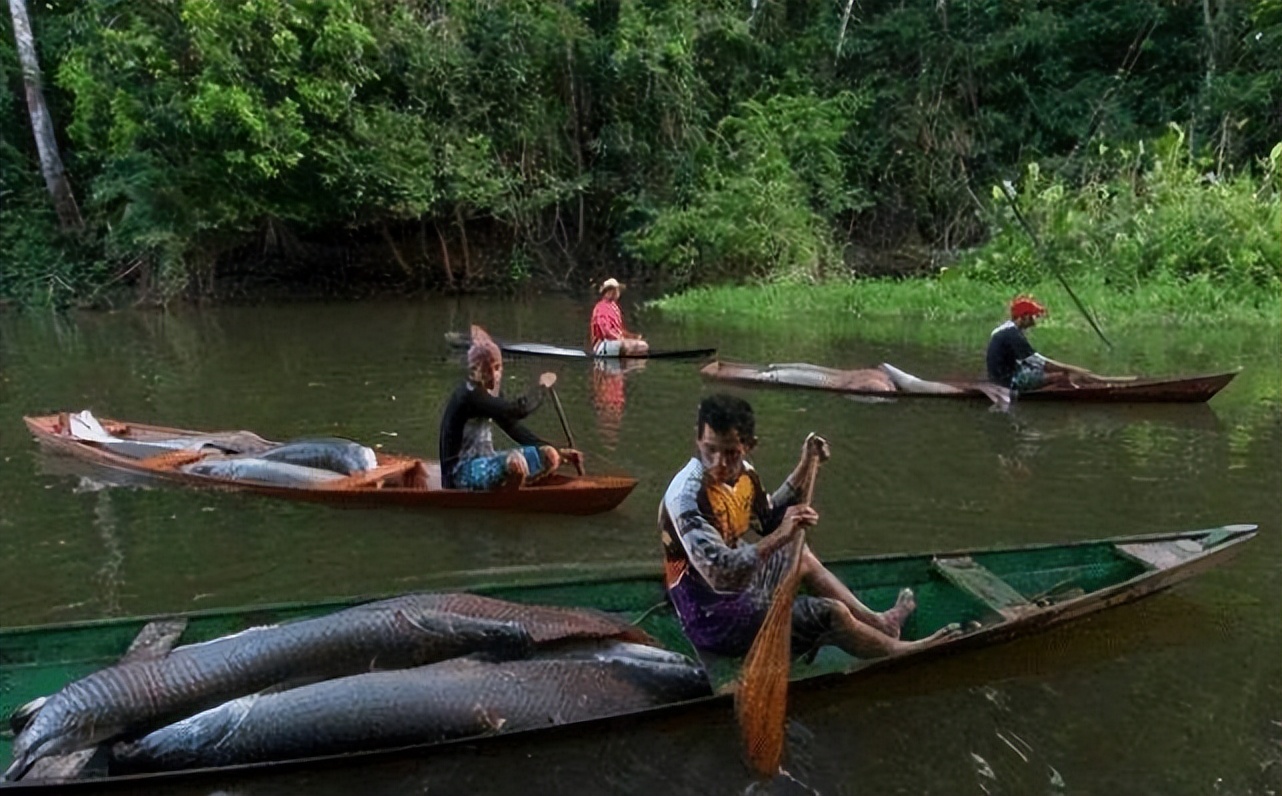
point(998, 593)
point(461, 340)
point(1177, 389)
point(396, 481)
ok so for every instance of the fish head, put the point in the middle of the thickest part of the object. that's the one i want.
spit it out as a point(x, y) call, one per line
point(54, 729)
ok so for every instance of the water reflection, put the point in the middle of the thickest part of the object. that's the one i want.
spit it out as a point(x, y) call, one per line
point(609, 395)
point(909, 476)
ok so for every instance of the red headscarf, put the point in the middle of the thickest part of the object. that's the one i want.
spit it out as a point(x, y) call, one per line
point(483, 348)
point(1023, 306)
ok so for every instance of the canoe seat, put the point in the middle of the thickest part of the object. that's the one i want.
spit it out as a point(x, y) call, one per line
point(172, 460)
point(980, 582)
point(1161, 555)
point(376, 477)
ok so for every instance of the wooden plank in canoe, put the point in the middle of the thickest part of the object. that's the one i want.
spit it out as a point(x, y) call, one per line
point(1161, 555)
point(979, 581)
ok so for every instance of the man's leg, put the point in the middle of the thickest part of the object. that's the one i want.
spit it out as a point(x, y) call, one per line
point(634, 348)
point(858, 639)
point(540, 462)
point(823, 583)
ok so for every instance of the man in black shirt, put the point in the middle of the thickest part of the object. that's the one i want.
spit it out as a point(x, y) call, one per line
point(1013, 363)
point(468, 458)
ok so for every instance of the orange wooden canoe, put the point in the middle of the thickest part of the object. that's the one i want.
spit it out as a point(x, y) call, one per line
point(396, 480)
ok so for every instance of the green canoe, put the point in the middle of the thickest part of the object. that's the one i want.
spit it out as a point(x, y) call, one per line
point(998, 593)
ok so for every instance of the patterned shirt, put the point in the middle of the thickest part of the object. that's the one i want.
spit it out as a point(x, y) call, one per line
point(607, 321)
point(467, 425)
point(702, 524)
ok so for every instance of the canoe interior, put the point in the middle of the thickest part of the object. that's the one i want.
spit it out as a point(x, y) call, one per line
point(1176, 389)
point(397, 480)
point(1004, 592)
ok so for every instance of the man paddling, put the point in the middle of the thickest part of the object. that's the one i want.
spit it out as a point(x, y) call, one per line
point(722, 583)
point(468, 458)
point(609, 338)
point(1012, 361)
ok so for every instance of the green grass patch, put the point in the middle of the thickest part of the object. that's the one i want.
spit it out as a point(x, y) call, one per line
point(1161, 302)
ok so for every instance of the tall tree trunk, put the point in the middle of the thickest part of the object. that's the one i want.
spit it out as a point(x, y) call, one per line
point(64, 201)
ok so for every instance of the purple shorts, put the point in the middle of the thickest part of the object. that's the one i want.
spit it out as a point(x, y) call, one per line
point(726, 623)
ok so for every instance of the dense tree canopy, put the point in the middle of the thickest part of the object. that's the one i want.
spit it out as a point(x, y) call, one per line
point(476, 142)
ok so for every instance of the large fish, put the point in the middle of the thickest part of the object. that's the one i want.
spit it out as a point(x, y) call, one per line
point(401, 632)
point(328, 453)
point(803, 374)
point(453, 699)
point(262, 471)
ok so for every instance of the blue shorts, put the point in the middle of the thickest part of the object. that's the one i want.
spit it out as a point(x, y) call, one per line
point(1029, 377)
point(484, 473)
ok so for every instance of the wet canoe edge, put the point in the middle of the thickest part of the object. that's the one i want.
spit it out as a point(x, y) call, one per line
point(460, 340)
point(1175, 389)
point(1160, 561)
point(559, 494)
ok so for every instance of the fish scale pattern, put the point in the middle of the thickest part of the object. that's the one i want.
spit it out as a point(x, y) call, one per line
point(397, 633)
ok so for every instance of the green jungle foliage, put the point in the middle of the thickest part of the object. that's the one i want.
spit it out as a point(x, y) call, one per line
point(460, 144)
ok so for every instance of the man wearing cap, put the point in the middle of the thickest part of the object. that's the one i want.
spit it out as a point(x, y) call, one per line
point(1013, 363)
point(468, 458)
point(609, 338)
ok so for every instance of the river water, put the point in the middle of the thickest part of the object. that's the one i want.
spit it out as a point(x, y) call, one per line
point(1178, 694)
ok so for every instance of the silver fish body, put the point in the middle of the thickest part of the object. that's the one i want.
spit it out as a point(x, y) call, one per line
point(262, 471)
point(453, 699)
point(327, 453)
point(401, 632)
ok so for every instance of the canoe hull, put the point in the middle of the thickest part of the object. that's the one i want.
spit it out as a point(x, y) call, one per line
point(1182, 389)
point(559, 494)
point(1118, 570)
point(459, 340)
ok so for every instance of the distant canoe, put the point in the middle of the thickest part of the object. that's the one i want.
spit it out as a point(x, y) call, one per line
point(395, 481)
point(460, 340)
point(1179, 389)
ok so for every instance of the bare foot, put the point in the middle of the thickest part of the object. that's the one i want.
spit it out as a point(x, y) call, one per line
point(894, 618)
point(945, 633)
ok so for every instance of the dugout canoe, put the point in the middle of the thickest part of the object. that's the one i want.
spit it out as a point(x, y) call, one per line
point(1174, 389)
point(397, 480)
point(461, 340)
point(997, 593)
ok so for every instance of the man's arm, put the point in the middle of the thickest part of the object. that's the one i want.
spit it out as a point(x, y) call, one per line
point(508, 414)
point(1064, 366)
point(797, 483)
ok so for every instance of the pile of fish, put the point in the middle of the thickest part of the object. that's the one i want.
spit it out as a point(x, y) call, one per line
point(302, 463)
point(241, 455)
point(412, 669)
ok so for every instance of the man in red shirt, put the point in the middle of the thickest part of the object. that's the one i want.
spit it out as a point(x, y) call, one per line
point(609, 338)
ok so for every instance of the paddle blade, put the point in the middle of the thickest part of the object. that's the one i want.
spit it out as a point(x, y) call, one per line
point(761, 700)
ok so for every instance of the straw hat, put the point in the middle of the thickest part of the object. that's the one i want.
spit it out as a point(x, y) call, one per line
point(610, 283)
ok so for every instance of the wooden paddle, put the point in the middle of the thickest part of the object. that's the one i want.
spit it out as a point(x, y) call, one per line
point(1008, 192)
point(1088, 373)
point(565, 426)
point(761, 700)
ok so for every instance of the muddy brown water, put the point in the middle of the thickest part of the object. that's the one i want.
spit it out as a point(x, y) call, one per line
point(1179, 694)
